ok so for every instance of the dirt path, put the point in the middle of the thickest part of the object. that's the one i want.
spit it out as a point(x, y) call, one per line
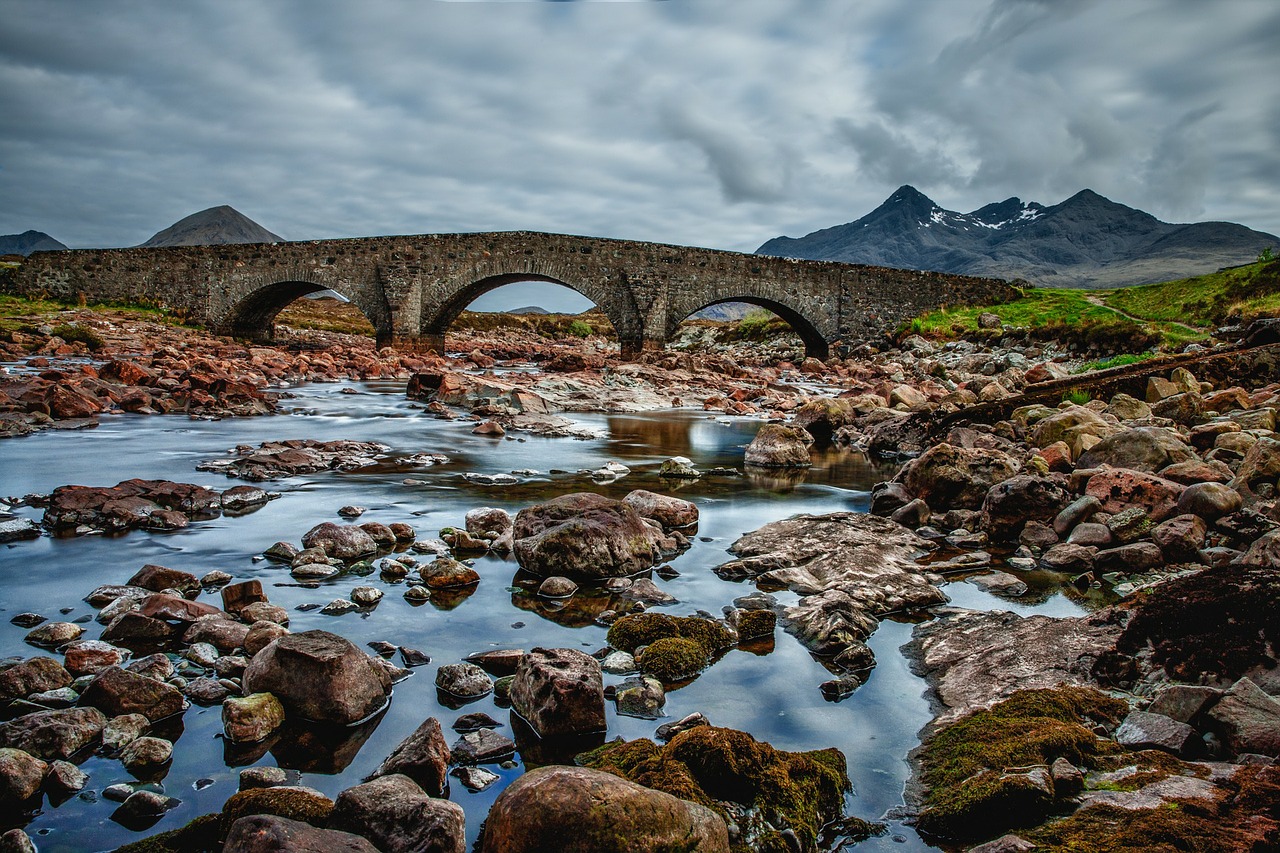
point(1101, 303)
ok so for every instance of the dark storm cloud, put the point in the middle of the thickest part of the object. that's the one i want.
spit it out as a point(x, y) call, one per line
point(686, 121)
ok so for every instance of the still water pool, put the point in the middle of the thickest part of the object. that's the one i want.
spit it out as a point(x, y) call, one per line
point(773, 695)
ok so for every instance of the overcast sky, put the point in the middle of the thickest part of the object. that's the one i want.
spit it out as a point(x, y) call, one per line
point(716, 123)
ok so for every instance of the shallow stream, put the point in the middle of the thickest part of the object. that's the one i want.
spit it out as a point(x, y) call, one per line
point(772, 695)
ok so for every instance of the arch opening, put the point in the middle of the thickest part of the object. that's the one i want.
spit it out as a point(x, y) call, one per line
point(517, 310)
point(302, 306)
point(746, 319)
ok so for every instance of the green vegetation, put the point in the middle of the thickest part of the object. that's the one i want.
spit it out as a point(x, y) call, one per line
point(970, 795)
point(1077, 396)
point(21, 314)
point(711, 766)
point(759, 325)
point(1121, 360)
point(672, 659)
point(72, 333)
point(1168, 314)
point(579, 329)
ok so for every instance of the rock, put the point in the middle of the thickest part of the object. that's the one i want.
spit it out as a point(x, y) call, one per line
point(264, 776)
point(446, 573)
point(339, 606)
point(237, 596)
point(399, 817)
point(141, 808)
point(144, 754)
point(116, 691)
point(672, 513)
point(262, 611)
point(1012, 503)
point(206, 691)
point(1184, 702)
point(319, 676)
point(34, 675)
point(366, 596)
point(272, 834)
point(252, 718)
point(474, 779)
point(53, 734)
point(1181, 538)
point(973, 659)
point(557, 587)
point(64, 778)
point(1128, 408)
point(239, 498)
point(1069, 558)
point(1001, 583)
point(1146, 449)
point(1186, 408)
point(679, 468)
point(225, 635)
point(640, 697)
point(1071, 425)
point(1120, 489)
point(777, 446)
point(608, 815)
point(262, 634)
point(945, 476)
point(1144, 730)
point(160, 578)
point(173, 608)
point(1249, 718)
point(54, 634)
point(133, 627)
point(16, 841)
point(492, 524)
point(464, 680)
point(1210, 501)
point(423, 757)
point(340, 541)
point(20, 776)
point(482, 746)
point(120, 731)
point(559, 692)
point(18, 529)
point(1090, 534)
point(583, 536)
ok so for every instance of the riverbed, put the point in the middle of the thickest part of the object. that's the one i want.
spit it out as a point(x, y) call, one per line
point(771, 692)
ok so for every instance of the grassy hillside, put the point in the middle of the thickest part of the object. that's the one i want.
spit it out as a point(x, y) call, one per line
point(1168, 314)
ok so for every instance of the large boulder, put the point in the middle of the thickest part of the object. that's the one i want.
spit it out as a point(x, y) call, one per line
point(559, 692)
point(945, 476)
point(1143, 449)
point(584, 536)
point(1122, 488)
point(319, 676)
point(821, 417)
point(778, 446)
point(577, 810)
point(20, 776)
point(33, 675)
point(53, 734)
point(1250, 719)
point(1071, 425)
point(398, 817)
point(1011, 504)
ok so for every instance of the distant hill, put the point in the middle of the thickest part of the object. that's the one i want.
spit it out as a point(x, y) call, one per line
point(1086, 241)
point(28, 242)
point(213, 227)
point(528, 309)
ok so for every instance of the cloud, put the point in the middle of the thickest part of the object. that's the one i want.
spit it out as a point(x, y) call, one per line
point(682, 122)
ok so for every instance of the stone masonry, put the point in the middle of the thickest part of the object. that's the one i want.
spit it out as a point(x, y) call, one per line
point(412, 288)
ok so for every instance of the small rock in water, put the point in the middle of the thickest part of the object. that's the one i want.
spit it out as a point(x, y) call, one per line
point(417, 593)
point(352, 511)
point(263, 777)
point(475, 721)
point(482, 746)
point(413, 657)
point(382, 647)
point(557, 587)
point(366, 596)
point(474, 778)
point(28, 620)
point(215, 578)
point(667, 731)
point(339, 606)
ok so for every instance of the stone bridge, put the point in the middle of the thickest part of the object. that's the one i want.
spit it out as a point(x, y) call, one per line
point(412, 288)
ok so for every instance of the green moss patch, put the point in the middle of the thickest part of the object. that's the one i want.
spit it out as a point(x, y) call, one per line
point(725, 768)
point(631, 632)
point(672, 659)
point(201, 835)
point(970, 796)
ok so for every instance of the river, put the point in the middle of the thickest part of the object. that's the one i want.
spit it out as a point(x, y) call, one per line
point(773, 695)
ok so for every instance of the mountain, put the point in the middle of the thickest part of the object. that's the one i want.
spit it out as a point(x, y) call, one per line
point(28, 242)
point(1086, 241)
point(213, 227)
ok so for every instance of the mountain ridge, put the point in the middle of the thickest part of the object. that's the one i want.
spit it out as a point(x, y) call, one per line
point(1085, 241)
point(28, 242)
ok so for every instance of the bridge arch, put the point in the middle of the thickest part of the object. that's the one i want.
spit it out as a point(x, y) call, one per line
point(252, 315)
point(817, 336)
point(621, 313)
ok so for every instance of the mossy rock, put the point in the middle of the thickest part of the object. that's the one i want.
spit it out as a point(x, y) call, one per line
point(640, 629)
point(1246, 817)
point(969, 798)
point(672, 659)
point(201, 835)
point(756, 624)
point(294, 803)
point(802, 791)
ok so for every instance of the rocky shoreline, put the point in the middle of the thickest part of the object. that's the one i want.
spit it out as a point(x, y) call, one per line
point(1153, 717)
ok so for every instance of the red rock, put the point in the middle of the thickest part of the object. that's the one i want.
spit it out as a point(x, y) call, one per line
point(1121, 488)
